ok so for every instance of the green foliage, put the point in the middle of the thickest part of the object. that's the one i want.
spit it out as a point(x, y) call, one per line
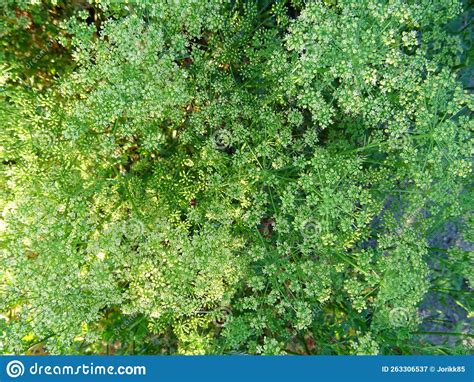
point(29, 33)
point(227, 177)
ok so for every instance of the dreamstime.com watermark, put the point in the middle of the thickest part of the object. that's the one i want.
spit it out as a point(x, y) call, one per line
point(222, 139)
point(399, 317)
point(15, 369)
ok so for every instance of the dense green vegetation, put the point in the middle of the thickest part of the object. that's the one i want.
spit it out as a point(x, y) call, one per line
point(221, 177)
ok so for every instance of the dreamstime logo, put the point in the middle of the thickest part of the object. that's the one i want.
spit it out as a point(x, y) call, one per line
point(399, 317)
point(133, 229)
point(310, 229)
point(43, 140)
point(222, 139)
point(222, 314)
point(15, 369)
